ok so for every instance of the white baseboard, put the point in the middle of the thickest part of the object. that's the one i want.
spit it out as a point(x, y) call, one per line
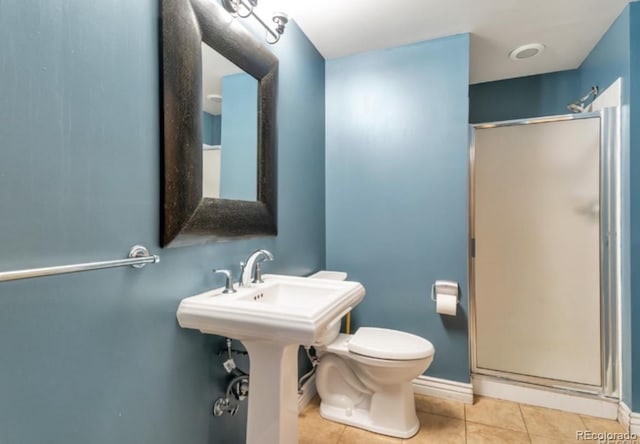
point(443, 388)
point(634, 423)
point(629, 420)
point(583, 404)
point(624, 415)
point(308, 392)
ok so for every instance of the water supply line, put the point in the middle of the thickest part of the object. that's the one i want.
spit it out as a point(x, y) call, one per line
point(314, 364)
point(314, 358)
point(237, 387)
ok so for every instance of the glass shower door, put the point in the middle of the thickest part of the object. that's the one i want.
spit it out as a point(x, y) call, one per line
point(536, 265)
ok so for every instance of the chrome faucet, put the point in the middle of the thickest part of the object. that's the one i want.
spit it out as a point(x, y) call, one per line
point(252, 268)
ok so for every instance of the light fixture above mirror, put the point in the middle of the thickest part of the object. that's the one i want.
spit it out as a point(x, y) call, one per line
point(246, 8)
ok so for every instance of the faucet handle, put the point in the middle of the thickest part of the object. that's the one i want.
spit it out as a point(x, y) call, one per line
point(228, 285)
point(266, 256)
point(257, 279)
point(241, 280)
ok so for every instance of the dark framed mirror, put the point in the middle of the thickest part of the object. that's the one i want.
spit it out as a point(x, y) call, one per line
point(205, 200)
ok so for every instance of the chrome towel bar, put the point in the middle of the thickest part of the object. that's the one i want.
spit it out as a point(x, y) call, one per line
point(139, 256)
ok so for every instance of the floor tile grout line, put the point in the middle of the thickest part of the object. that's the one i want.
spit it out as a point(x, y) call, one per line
point(502, 426)
point(464, 416)
point(344, 428)
point(442, 415)
point(526, 428)
point(465, 432)
point(497, 427)
point(582, 421)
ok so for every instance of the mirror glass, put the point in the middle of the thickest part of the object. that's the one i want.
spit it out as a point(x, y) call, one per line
point(229, 129)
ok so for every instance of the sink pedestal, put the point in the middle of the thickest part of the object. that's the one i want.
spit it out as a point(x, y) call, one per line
point(272, 319)
point(273, 393)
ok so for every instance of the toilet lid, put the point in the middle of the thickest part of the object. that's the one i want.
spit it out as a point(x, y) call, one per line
point(383, 343)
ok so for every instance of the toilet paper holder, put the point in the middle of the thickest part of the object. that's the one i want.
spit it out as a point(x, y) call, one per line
point(445, 287)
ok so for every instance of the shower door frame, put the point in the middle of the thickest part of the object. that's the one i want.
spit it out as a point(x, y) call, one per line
point(609, 187)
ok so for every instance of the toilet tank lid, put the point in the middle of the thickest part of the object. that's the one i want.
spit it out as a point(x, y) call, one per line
point(330, 275)
point(383, 343)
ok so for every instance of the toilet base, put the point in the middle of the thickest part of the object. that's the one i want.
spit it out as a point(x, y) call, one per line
point(360, 418)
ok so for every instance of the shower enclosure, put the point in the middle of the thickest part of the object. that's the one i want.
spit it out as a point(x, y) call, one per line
point(543, 219)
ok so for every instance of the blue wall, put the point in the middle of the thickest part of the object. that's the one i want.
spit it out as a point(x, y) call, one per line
point(532, 96)
point(211, 129)
point(397, 187)
point(609, 59)
point(98, 357)
point(239, 156)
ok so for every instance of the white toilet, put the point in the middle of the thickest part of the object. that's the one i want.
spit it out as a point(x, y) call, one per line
point(365, 379)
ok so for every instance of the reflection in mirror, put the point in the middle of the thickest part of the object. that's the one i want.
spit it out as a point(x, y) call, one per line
point(229, 129)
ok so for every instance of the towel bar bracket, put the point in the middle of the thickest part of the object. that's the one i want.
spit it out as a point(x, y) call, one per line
point(141, 251)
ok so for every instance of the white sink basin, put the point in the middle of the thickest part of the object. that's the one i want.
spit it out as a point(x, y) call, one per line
point(272, 319)
point(284, 309)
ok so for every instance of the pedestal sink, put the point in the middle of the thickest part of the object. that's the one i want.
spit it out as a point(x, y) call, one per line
point(272, 319)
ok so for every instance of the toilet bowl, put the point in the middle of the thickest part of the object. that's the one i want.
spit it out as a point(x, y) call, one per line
point(365, 379)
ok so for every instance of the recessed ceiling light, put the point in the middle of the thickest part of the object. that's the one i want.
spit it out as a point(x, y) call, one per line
point(526, 51)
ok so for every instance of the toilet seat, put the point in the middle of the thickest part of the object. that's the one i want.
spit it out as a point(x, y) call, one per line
point(383, 343)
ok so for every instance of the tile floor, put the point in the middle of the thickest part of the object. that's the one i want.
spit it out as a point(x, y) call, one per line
point(486, 421)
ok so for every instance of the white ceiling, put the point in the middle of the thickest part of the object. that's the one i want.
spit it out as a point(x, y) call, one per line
point(568, 28)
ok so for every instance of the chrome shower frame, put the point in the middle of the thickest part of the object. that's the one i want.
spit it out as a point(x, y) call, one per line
point(609, 259)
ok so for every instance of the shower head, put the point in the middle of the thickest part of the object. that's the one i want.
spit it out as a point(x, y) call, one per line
point(581, 105)
point(576, 107)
